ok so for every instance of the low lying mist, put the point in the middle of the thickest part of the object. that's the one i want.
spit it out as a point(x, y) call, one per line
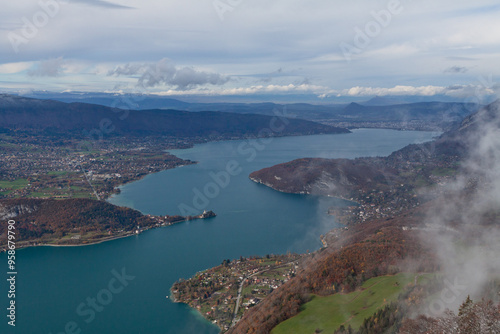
point(462, 226)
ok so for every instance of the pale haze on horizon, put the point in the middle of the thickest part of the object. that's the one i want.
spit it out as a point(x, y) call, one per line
point(229, 47)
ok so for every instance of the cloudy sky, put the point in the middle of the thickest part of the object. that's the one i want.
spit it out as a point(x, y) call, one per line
point(222, 47)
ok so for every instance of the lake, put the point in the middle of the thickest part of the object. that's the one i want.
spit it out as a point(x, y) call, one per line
point(131, 277)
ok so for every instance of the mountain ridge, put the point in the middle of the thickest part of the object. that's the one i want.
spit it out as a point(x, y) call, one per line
point(53, 117)
point(385, 112)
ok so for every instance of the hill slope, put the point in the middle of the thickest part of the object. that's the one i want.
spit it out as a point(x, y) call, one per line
point(345, 178)
point(378, 112)
point(52, 117)
point(427, 235)
point(46, 220)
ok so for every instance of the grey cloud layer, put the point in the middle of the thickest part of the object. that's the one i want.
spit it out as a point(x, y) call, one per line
point(101, 3)
point(456, 69)
point(48, 68)
point(256, 37)
point(166, 73)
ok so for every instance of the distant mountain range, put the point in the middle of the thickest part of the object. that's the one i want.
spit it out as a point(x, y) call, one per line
point(439, 113)
point(75, 96)
point(76, 119)
point(380, 112)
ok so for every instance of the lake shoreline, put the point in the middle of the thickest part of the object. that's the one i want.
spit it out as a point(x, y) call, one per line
point(252, 220)
point(203, 216)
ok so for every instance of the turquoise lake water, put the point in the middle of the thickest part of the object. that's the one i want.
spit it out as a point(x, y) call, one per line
point(55, 284)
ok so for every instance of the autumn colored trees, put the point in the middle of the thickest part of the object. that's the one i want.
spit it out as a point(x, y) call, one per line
point(367, 251)
point(481, 317)
point(37, 218)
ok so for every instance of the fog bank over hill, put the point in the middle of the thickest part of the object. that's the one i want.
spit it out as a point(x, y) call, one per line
point(468, 243)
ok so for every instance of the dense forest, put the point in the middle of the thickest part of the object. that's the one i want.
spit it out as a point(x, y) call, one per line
point(38, 219)
point(482, 317)
point(315, 175)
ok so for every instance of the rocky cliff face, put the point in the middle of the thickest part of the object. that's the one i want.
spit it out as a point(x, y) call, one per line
point(12, 211)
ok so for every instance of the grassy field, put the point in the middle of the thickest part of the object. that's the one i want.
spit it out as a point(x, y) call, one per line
point(14, 185)
point(328, 313)
point(10, 186)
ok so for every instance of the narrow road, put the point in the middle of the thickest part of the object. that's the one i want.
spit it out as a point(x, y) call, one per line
point(88, 181)
point(237, 307)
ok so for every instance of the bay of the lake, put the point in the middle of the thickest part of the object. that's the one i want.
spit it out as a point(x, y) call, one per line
point(56, 285)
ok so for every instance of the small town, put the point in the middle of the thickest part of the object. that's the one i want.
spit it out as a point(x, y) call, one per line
point(48, 169)
point(417, 184)
point(223, 294)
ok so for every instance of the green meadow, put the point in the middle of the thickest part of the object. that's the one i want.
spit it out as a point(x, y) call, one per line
point(329, 313)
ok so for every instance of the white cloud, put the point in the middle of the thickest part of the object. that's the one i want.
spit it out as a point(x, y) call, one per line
point(460, 91)
point(394, 51)
point(397, 90)
point(257, 89)
point(11, 68)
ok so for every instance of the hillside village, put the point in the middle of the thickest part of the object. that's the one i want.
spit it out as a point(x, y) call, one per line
point(223, 294)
